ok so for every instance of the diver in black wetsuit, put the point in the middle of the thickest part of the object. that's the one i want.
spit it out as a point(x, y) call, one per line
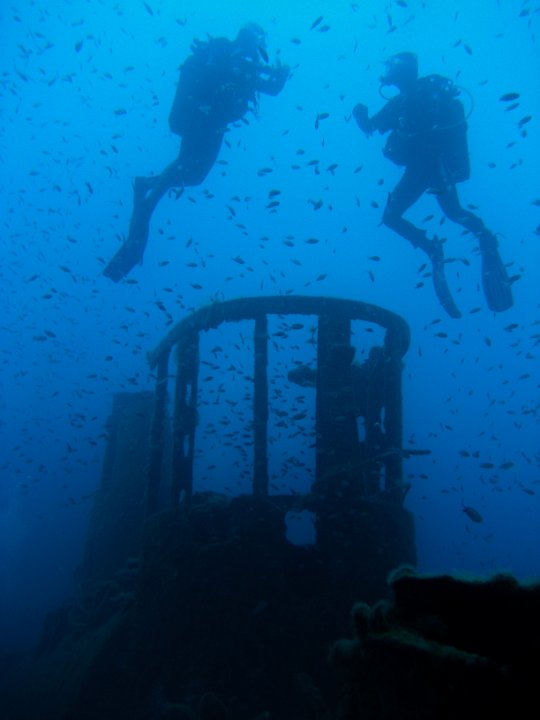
point(429, 137)
point(218, 84)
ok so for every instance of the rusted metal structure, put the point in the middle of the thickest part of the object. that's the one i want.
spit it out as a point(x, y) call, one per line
point(204, 594)
point(344, 466)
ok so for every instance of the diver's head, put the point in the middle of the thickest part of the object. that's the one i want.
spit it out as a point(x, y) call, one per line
point(401, 70)
point(252, 38)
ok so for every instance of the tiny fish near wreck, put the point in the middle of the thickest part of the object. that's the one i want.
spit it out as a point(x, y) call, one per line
point(472, 514)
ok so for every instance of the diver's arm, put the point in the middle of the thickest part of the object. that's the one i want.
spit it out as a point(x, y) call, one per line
point(361, 115)
point(276, 78)
point(383, 121)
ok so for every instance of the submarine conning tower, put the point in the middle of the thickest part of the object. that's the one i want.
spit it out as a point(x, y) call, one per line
point(195, 605)
point(345, 467)
point(225, 604)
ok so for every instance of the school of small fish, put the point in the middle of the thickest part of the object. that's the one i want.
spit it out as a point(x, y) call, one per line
point(283, 234)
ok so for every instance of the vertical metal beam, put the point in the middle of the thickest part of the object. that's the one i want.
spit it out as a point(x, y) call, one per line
point(185, 419)
point(157, 437)
point(376, 444)
point(393, 411)
point(336, 431)
point(260, 407)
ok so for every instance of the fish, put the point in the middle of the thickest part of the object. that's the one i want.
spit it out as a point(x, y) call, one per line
point(508, 97)
point(472, 514)
point(320, 116)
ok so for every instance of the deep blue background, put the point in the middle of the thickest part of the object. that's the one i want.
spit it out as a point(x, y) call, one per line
point(86, 89)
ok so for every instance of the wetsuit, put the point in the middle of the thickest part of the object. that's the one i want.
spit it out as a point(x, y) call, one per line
point(218, 84)
point(428, 136)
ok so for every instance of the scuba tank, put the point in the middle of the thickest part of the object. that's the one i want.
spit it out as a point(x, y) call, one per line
point(432, 124)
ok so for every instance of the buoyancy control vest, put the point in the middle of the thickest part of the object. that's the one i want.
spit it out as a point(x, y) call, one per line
point(432, 127)
point(217, 85)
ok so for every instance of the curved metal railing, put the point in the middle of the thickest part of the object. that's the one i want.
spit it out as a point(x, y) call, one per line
point(333, 442)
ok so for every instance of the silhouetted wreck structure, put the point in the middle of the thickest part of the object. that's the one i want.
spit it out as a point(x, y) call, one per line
point(339, 455)
point(194, 606)
point(191, 598)
point(349, 471)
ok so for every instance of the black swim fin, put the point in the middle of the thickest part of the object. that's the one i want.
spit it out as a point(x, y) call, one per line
point(440, 284)
point(495, 281)
point(132, 251)
point(443, 291)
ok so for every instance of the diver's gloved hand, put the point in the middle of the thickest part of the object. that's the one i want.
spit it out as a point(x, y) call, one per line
point(281, 74)
point(272, 78)
point(360, 113)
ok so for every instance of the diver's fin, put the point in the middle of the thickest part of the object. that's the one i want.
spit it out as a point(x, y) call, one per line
point(434, 249)
point(132, 251)
point(443, 291)
point(495, 281)
point(123, 262)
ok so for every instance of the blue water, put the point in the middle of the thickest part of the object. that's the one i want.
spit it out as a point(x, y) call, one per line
point(86, 90)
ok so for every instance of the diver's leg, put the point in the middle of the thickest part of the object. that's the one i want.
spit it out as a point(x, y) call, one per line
point(495, 280)
point(198, 153)
point(449, 203)
point(147, 192)
point(408, 190)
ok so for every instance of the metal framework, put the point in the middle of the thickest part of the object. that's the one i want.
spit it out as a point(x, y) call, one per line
point(335, 415)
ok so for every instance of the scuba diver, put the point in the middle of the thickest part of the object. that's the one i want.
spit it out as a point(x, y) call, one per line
point(428, 136)
point(219, 82)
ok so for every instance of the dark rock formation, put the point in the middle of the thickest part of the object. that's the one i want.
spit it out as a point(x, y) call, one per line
point(223, 604)
point(446, 648)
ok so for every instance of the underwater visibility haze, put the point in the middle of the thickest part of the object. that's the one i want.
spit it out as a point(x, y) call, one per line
point(293, 205)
